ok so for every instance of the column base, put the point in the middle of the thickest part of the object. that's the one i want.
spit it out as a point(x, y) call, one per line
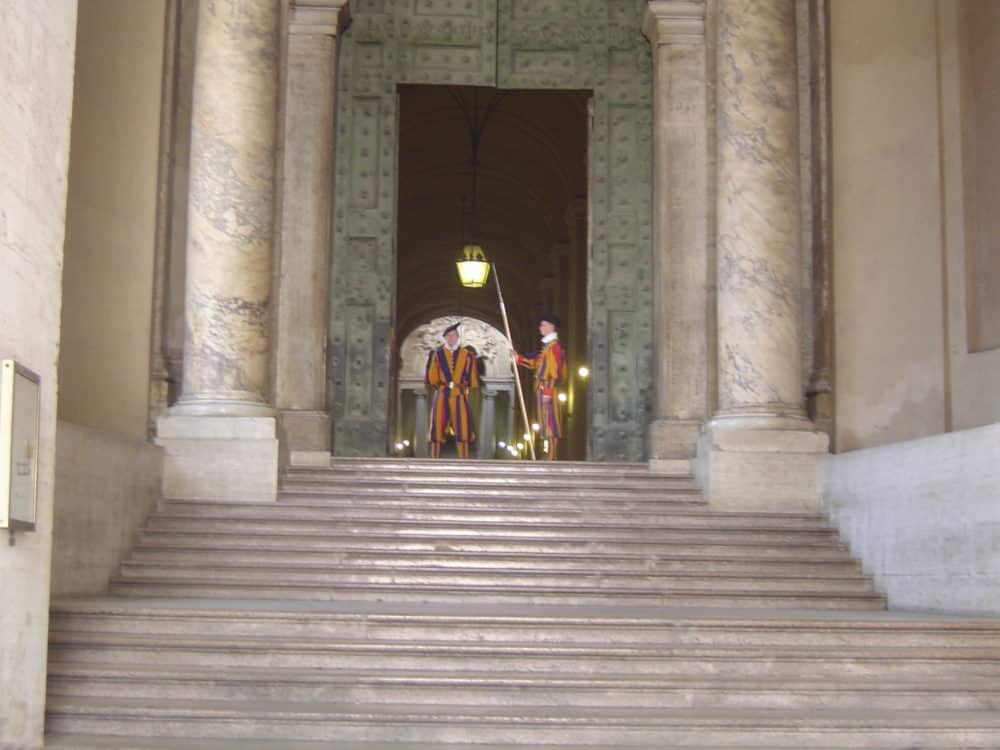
point(302, 430)
point(241, 405)
point(219, 458)
point(744, 467)
point(673, 438)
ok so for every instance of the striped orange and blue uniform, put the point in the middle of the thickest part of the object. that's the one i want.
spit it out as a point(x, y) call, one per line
point(451, 374)
point(550, 371)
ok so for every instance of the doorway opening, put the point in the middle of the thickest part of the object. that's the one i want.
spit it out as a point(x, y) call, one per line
point(522, 195)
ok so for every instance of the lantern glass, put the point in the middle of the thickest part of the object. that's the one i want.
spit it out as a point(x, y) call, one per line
point(473, 269)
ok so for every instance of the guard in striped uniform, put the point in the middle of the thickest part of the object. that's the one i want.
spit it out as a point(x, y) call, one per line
point(451, 372)
point(549, 365)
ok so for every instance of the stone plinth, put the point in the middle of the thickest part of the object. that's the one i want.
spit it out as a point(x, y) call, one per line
point(219, 458)
point(745, 468)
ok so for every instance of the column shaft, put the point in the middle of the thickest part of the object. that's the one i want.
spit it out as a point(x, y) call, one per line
point(759, 263)
point(487, 428)
point(676, 30)
point(420, 423)
point(231, 210)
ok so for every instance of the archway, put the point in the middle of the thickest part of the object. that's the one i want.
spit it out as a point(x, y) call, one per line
point(493, 405)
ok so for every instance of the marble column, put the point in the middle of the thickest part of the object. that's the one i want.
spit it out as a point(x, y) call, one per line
point(676, 31)
point(302, 298)
point(420, 423)
point(761, 450)
point(487, 425)
point(220, 437)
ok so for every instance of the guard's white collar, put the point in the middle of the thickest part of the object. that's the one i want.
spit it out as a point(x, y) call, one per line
point(452, 348)
point(550, 337)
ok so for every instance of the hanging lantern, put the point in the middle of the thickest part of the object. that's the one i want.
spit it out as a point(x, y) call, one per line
point(473, 269)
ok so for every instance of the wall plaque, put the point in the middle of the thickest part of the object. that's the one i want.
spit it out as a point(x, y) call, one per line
point(19, 417)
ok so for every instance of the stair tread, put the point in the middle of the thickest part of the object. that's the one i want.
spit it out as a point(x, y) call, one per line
point(503, 589)
point(60, 638)
point(93, 742)
point(357, 541)
point(423, 518)
point(60, 669)
point(410, 570)
point(303, 710)
point(407, 505)
point(555, 614)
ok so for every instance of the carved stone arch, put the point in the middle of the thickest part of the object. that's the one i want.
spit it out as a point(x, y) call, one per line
point(496, 392)
point(489, 342)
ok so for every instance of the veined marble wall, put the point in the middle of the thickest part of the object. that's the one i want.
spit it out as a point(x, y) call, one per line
point(905, 365)
point(111, 216)
point(36, 90)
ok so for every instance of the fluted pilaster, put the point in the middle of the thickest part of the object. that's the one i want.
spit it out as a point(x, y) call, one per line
point(307, 208)
point(676, 31)
point(231, 210)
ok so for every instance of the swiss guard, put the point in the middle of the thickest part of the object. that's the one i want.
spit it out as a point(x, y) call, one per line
point(451, 372)
point(549, 365)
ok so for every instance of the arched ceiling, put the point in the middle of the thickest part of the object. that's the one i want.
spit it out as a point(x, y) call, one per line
point(532, 169)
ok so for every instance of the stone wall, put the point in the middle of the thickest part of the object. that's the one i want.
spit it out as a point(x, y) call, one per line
point(105, 487)
point(971, 138)
point(36, 88)
point(905, 365)
point(111, 216)
point(922, 516)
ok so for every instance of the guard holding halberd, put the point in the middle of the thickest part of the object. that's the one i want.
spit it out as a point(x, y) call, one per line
point(451, 373)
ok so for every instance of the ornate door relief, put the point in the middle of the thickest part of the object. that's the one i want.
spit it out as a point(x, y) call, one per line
point(561, 44)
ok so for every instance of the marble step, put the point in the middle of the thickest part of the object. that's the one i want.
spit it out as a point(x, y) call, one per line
point(581, 495)
point(439, 467)
point(488, 580)
point(99, 742)
point(458, 512)
point(209, 554)
point(263, 537)
point(473, 481)
point(537, 689)
point(266, 520)
point(180, 587)
point(673, 500)
point(471, 622)
point(517, 725)
point(835, 663)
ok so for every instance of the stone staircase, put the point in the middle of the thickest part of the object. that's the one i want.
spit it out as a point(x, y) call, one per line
point(408, 605)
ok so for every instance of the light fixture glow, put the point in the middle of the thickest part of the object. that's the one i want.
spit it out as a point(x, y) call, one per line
point(563, 398)
point(501, 444)
point(473, 269)
point(399, 446)
point(535, 426)
point(584, 371)
point(520, 446)
point(406, 443)
point(527, 436)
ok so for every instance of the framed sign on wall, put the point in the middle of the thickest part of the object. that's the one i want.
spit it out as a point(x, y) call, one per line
point(19, 418)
